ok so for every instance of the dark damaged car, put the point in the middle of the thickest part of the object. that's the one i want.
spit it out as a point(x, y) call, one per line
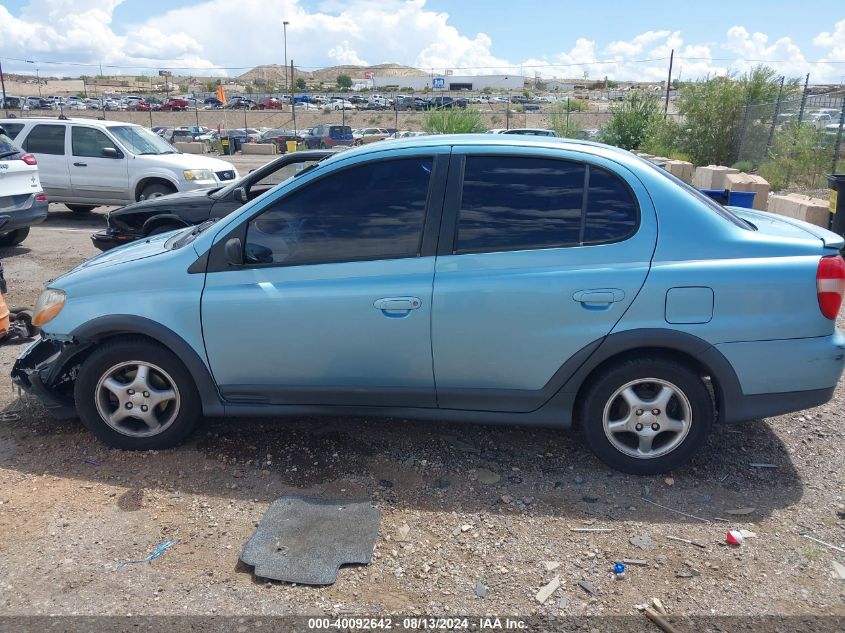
point(176, 211)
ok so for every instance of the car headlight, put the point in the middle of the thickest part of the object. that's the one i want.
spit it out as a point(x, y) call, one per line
point(198, 174)
point(49, 304)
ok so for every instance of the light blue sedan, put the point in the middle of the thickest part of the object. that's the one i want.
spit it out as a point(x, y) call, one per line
point(487, 278)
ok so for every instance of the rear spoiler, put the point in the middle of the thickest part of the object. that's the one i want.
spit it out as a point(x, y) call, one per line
point(828, 238)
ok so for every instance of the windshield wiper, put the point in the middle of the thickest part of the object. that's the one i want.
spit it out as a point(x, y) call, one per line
point(12, 153)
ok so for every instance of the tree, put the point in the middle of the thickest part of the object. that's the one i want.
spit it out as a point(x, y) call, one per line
point(630, 120)
point(562, 122)
point(344, 81)
point(453, 121)
point(300, 84)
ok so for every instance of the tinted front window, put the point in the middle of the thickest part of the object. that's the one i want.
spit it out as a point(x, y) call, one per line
point(12, 129)
point(86, 141)
point(611, 210)
point(369, 212)
point(46, 139)
point(140, 140)
point(511, 203)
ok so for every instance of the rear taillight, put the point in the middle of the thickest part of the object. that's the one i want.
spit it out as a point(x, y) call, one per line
point(29, 159)
point(830, 284)
point(41, 198)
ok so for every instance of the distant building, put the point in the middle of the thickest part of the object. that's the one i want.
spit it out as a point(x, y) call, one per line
point(444, 82)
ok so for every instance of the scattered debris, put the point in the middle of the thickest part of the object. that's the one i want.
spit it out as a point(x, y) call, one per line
point(748, 534)
point(838, 570)
point(641, 540)
point(589, 499)
point(755, 465)
point(618, 571)
point(657, 616)
point(635, 561)
point(741, 511)
point(404, 530)
point(487, 477)
point(480, 589)
point(688, 572)
point(587, 529)
point(547, 590)
point(466, 527)
point(562, 602)
point(669, 481)
point(588, 587)
point(691, 516)
point(658, 606)
point(734, 537)
point(550, 565)
point(687, 541)
point(161, 548)
point(838, 549)
point(92, 461)
point(579, 479)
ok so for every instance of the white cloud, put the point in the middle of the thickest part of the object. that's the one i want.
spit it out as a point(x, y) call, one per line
point(239, 35)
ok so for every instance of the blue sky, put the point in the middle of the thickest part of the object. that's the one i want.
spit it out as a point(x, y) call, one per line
point(553, 38)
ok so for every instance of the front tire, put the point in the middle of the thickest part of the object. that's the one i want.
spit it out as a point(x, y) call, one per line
point(134, 394)
point(155, 190)
point(646, 416)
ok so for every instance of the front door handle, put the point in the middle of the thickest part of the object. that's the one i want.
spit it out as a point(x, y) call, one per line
point(80, 164)
point(397, 306)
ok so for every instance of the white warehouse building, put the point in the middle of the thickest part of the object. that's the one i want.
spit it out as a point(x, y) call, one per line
point(451, 82)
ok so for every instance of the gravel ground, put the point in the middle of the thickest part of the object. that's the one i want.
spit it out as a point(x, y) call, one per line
point(474, 520)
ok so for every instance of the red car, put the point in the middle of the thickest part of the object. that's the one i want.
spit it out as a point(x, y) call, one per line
point(271, 103)
point(140, 106)
point(175, 104)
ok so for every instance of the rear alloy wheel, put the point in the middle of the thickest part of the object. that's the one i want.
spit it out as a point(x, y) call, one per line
point(81, 208)
point(13, 238)
point(647, 416)
point(134, 394)
point(155, 190)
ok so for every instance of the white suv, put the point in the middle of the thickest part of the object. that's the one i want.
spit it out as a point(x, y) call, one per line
point(21, 199)
point(86, 163)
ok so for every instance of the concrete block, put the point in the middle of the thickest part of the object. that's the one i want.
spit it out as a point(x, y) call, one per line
point(190, 148)
point(750, 182)
point(258, 148)
point(712, 176)
point(680, 169)
point(793, 205)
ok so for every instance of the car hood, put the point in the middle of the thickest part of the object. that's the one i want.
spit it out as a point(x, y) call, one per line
point(140, 249)
point(782, 226)
point(167, 201)
point(188, 161)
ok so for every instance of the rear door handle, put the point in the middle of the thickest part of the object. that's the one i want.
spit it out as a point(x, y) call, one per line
point(599, 295)
point(397, 306)
point(80, 164)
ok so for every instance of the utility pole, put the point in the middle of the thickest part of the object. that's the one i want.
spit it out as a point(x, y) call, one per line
point(804, 98)
point(285, 29)
point(669, 84)
point(3, 83)
point(775, 116)
point(292, 95)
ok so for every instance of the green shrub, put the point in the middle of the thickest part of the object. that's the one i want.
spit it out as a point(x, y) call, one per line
point(662, 137)
point(798, 157)
point(453, 121)
point(631, 119)
point(744, 165)
point(563, 122)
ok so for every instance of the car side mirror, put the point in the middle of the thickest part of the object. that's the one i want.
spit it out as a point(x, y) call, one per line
point(240, 195)
point(110, 152)
point(234, 252)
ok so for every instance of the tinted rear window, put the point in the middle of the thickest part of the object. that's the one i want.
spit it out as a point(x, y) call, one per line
point(12, 129)
point(46, 139)
point(611, 210)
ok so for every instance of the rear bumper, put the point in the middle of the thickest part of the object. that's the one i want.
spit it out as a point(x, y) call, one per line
point(38, 371)
point(31, 212)
point(777, 377)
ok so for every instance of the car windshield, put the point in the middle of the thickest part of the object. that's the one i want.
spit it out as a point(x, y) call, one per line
point(140, 140)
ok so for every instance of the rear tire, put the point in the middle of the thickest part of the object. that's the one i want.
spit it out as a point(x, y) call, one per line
point(646, 416)
point(111, 384)
point(81, 208)
point(13, 238)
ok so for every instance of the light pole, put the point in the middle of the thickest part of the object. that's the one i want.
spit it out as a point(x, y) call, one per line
point(37, 76)
point(285, 29)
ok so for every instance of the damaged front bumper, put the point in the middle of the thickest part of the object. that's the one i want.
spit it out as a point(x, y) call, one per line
point(40, 371)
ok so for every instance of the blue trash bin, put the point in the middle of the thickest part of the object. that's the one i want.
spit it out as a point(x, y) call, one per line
point(719, 195)
point(744, 199)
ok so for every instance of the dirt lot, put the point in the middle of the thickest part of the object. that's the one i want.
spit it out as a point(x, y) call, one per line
point(488, 510)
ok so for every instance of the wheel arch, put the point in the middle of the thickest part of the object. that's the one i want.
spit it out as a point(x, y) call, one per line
point(107, 328)
point(682, 347)
point(155, 221)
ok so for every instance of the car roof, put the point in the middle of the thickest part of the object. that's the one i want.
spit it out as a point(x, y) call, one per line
point(55, 119)
point(496, 140)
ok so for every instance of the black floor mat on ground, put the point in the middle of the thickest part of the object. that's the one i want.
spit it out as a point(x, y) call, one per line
point(305, 540)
